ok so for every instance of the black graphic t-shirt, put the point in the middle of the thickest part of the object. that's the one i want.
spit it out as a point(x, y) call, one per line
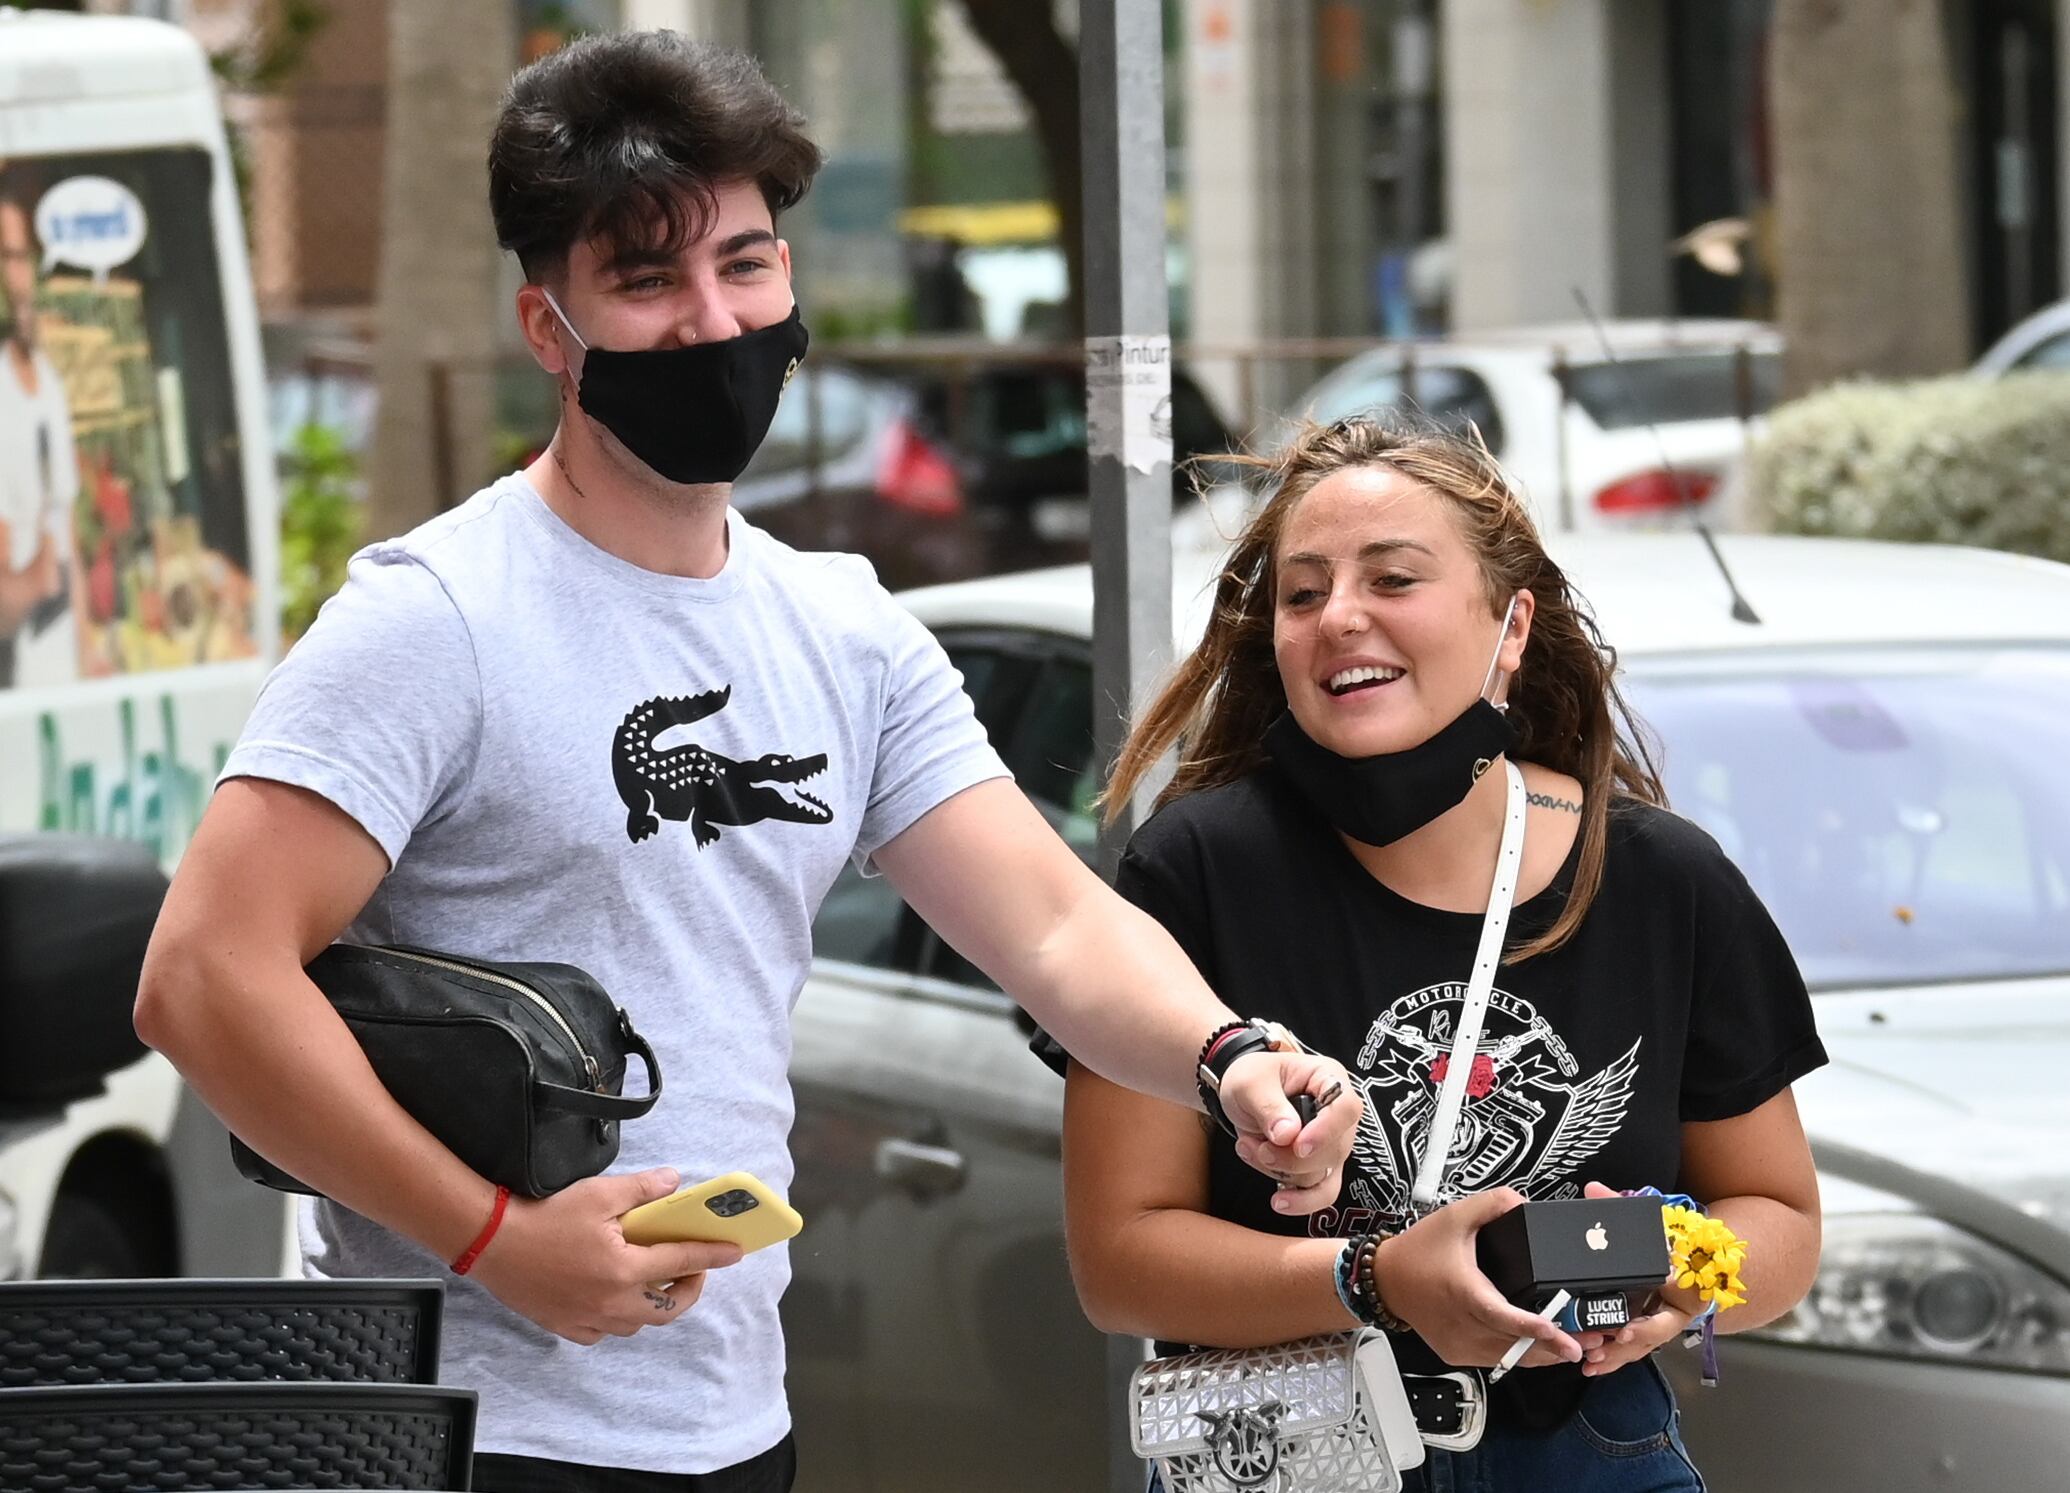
point(1675, 1000)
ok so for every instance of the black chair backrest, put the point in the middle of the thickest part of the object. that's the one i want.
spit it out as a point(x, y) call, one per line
point(175, 1437)
point(83, 1332)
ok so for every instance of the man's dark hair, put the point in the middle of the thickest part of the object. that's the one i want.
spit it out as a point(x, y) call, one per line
point(625, 137)
point(18, 188)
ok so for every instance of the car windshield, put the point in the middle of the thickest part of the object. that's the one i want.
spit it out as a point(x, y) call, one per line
point(1903, 815)
point(2054, 353)
point(1673, 387)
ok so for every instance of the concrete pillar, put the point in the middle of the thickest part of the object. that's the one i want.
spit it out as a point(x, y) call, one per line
point(708, 20)
point(1342, 185)
point(845, 66)
point(1557, 158)
point(1252, 224)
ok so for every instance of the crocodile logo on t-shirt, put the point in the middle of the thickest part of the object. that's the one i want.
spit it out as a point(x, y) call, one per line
point(1528, 1120)
point(688, 782)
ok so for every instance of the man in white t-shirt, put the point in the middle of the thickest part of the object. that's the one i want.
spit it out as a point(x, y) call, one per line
point(39, 479)
point(594, 716)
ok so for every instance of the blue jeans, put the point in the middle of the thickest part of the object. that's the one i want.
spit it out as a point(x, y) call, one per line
point(1625, 1438)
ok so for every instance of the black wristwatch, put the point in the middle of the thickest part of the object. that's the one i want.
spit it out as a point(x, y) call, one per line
point(1225, 1044)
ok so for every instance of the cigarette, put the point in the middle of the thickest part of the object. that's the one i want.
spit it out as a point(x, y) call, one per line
point(1522, 1345)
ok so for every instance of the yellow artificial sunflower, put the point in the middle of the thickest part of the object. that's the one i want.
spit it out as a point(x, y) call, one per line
point(1705, 1256)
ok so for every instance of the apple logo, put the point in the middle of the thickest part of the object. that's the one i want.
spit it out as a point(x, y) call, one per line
point(1597, 1239)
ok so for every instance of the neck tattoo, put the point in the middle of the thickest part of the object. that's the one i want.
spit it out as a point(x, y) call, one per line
point(1547, 801)
point(568, 476)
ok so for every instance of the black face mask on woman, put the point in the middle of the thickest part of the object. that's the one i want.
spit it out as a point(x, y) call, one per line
point(1380, 799)
point(695, 414)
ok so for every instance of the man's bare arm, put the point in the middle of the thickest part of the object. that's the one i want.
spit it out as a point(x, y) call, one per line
point(20, 590)
point(274, 874)
point(989, 874)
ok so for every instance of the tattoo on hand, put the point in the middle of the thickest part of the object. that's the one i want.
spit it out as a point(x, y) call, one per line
point(661, 1302)
point(1547, 801)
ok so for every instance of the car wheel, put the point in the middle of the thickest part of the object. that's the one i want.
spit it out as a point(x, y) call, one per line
point(103, 1227)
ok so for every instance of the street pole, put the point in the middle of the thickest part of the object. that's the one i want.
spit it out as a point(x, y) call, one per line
point(1128, 370)
point(1128, 408)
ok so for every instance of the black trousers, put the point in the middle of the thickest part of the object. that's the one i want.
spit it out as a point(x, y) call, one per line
point(771, 1472)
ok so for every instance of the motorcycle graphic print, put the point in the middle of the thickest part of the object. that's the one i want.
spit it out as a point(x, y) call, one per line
point(1530, 1118)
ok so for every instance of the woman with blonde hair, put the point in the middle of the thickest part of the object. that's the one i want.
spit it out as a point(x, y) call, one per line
point(1388, 637)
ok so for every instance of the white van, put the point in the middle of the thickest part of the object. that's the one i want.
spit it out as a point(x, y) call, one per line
point(138, 616)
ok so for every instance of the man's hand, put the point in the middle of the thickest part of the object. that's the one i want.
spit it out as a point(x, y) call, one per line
point(45, 570)
point(48, 570)
point(21, 590)
point(1428, 1277)
point(1307, 1163)
point(564, 1261)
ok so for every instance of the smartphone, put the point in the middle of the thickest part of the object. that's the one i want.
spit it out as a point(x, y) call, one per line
point(738, 1208)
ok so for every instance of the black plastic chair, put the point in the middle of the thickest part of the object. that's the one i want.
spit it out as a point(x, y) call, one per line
point(174, 1437)
point(60, 1333)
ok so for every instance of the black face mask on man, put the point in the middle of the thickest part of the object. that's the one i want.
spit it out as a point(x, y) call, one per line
point(695, 414)
point(1380, 799)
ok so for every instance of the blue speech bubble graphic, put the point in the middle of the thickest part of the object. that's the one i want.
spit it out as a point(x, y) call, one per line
point(90, 222)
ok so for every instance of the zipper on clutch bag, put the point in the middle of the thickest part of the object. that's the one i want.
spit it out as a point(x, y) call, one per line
point(495, 977)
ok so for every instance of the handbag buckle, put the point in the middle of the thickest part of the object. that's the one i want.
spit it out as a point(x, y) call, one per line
point(1245, 1444)
point(1473, 1412)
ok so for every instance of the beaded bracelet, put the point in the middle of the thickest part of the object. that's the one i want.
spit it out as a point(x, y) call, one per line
point(1368, 1284)
point(1356, 1289)
point(1347, 1294)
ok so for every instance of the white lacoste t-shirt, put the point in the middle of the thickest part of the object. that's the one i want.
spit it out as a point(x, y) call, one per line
point(657, 779)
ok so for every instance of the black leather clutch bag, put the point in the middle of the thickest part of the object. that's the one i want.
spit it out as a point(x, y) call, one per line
point(516, 1067)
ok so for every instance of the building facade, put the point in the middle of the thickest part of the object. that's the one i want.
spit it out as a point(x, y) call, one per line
point(1366, 166)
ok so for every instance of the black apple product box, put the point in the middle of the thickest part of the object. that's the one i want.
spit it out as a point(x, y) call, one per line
point(1579, 1245)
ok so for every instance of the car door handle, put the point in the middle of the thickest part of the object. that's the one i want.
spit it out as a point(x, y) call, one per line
point(923, 1171)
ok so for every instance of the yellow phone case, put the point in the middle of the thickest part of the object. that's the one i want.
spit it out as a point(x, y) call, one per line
point(737, 1208)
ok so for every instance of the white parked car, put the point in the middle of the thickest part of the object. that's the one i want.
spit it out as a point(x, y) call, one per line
point(1582, 433)
point(2040, 342)
point(1881, 755)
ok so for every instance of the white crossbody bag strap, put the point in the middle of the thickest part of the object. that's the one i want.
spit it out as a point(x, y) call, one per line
point(1473, 1014)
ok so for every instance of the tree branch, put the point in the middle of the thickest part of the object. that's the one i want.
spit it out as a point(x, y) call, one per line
point(1043, 67)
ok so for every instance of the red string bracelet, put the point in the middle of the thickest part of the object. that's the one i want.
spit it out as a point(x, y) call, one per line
point(473, 1251)
point(1220, 1037)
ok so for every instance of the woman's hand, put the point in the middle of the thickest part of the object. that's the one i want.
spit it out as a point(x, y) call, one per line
point(1607, 1352)
point(1428, 1277)
point(1306, 1161)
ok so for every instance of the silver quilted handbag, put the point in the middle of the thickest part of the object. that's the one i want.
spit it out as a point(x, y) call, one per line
point(1321, 1415)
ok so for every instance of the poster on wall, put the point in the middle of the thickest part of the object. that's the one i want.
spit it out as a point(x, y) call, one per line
point(123, 543)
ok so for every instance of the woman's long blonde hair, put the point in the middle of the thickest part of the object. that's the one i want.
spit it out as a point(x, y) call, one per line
point(1564, 703)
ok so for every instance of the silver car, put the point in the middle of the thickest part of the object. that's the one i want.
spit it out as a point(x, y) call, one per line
point(1887, 757)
